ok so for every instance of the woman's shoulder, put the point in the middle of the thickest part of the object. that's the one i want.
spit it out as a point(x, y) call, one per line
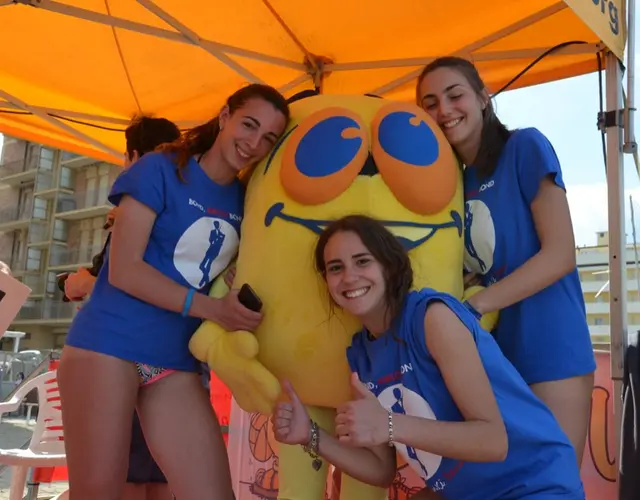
point(154, 163)
point(528, 138)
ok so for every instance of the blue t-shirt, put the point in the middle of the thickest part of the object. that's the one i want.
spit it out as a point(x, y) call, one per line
point(546, 335)
point(399, 369)
point(194, 237)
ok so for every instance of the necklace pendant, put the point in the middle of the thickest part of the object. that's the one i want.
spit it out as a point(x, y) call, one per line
point(316, 464)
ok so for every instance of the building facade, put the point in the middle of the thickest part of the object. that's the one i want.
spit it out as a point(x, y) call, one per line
point(593, 266)
point(53, 207)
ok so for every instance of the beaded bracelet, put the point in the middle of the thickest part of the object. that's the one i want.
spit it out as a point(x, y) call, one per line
point(391, 442)
point(312, 446)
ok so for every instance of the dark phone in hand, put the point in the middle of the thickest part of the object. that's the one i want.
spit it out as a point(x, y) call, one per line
point(249, 299)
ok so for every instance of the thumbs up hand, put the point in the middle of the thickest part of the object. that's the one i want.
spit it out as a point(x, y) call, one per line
point(291, 424)
point(362, 421)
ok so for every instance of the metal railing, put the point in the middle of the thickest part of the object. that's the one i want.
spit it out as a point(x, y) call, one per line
point(78, 201)
point(44, 181)
point(15, 214)
point(16, 167)
point(71, 256)
point(47, 309)
point(38, 233)
point(36, 282)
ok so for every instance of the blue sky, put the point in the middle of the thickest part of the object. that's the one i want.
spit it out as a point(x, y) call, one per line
point(566, 112)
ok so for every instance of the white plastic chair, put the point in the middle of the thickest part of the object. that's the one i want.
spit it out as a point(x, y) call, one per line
point(46, 448)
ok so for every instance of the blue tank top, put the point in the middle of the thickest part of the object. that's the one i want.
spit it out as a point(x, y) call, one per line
point(399, 369)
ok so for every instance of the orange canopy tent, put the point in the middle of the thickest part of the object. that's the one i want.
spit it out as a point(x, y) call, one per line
point(73, 72)
point(82, 68)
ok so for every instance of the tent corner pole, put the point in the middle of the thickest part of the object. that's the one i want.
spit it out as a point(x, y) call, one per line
point(617, 239)
point(630, 145)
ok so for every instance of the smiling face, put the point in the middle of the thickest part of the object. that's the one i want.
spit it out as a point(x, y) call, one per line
point(455, 105)
point(355, 279)
point(248, 134)
point(343, 155)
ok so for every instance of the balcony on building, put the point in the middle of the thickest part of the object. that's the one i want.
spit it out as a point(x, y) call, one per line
point(46, 312)
point(45, 186)
point(14, 218)
point(17, 263)
point(83, 205)
point(63, 258)
point(73, 160)
point(38, 234)
point(36, 282)
point(17, 172)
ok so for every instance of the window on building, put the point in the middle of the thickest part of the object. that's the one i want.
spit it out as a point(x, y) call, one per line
point(45, 161)
point(104, 184)
point(598, 321)
point(34, 258)
point(90, 193)
point(66, 178)
point(52, 282)
point(60, 230)
point(40, 208)
point(25, 202)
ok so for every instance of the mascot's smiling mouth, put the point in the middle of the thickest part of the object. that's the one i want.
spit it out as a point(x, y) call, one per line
point(423, 231)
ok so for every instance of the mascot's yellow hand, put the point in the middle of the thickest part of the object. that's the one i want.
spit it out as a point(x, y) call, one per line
point(232, 356)
point(489, 320)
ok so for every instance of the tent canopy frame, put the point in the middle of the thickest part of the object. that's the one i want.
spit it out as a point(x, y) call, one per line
point(619, 127)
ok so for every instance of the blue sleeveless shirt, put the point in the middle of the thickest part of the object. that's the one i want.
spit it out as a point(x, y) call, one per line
point(399, 369)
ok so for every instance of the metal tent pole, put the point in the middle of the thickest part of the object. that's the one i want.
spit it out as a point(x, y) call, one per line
point(617, 237)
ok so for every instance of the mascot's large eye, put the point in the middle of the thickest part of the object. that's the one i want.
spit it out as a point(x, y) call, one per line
point(324, 155)
point(414, 158)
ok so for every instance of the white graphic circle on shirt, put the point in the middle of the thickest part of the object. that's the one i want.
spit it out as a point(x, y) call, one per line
point(479, 237)
point(403, 400)
point(205, 249)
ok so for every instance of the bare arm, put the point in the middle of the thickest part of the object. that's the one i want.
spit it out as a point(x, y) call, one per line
point(129, 272)
point(481, 437)
point(555, 259)
point(375, 465)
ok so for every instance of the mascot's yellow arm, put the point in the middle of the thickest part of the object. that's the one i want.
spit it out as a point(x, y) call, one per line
point(233, 358)
point(488, 321)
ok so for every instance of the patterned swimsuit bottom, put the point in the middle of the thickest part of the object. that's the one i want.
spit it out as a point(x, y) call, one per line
point(149, 374)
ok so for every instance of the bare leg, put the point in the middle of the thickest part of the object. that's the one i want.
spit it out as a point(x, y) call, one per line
point(158, 491)
point(134, 491)
point(98, 395)
point(184, 437)
point(570, 402)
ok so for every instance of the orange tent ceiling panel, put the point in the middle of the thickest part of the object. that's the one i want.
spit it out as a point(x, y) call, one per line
point(82, 68)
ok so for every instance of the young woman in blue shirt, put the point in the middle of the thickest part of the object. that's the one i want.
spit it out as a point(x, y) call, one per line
point(179, 216)
point(429, 383)
point(519, 242)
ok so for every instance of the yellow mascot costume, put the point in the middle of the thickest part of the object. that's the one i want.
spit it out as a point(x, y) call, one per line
point(340, 155)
